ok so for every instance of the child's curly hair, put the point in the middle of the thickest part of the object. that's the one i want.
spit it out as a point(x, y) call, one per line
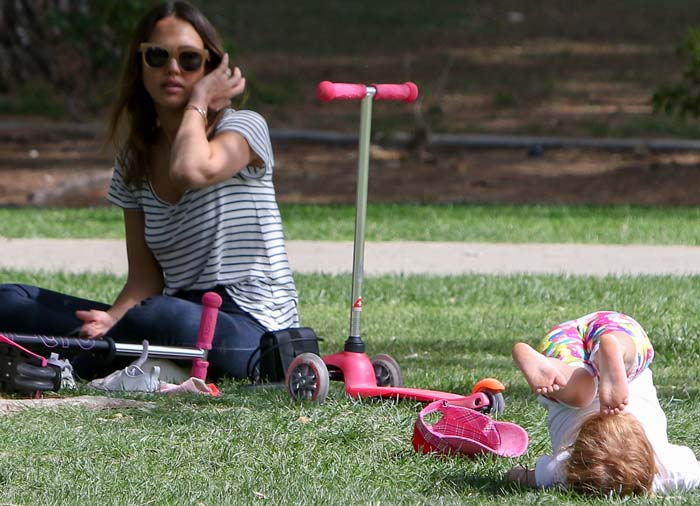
point(611, 454)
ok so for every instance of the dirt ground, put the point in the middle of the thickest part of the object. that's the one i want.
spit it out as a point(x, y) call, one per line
point(323, 174)
point(67, 167)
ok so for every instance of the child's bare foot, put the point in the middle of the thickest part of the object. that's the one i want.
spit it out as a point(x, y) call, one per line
point(540, 374)
point(613, 389)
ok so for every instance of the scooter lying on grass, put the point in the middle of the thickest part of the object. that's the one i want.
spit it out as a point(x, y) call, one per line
point(24, 370)
point(308, 375)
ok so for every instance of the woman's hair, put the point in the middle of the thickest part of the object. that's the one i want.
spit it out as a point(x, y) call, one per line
point(611, 454)
point(133, 124)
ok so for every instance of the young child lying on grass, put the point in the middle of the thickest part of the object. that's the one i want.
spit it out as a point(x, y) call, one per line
point(607, 428)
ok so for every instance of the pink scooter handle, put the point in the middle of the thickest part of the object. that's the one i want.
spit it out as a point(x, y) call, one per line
point(211, 302)
point(406, 92)
point(327, 91)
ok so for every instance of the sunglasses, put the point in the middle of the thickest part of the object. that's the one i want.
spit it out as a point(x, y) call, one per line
point(190, 59)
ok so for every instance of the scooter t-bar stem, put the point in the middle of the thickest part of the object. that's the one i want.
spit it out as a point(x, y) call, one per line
point(65, 345)
point(406, 92)
point(103, 346)
point(354, 341)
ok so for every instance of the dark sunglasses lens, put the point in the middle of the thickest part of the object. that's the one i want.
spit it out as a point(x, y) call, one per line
point(190, 61)
point(156, 56)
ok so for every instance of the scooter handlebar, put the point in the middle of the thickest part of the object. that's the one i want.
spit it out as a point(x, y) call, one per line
point(327, 91)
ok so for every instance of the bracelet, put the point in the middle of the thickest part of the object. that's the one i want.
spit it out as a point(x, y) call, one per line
point(201, 112)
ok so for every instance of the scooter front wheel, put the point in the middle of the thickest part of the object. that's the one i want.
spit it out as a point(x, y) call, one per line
point(493, 389)
point(307, 378)
point(497, 403)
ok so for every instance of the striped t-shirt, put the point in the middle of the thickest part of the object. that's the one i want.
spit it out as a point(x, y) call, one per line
point(227, 234)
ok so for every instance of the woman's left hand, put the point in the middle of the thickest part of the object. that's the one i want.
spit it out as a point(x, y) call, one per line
point(96, 323)
point(218, 87)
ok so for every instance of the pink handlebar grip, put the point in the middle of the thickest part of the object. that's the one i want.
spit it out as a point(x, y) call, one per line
point(327, 91)
point(211, 302)
point(406, 92)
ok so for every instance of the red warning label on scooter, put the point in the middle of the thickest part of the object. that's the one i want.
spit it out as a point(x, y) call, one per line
point(357, 306)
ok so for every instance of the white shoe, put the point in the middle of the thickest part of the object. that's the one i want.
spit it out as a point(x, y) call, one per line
point(132, 378)
point(170, 372)
point(67, 379)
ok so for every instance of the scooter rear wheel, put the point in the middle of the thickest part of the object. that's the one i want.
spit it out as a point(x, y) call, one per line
point(307, 378)
point(387, 371)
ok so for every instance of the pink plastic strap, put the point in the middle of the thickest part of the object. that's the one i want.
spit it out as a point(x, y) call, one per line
point(10, 342)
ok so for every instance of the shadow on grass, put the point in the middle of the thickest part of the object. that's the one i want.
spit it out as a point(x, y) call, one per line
point(490, 483)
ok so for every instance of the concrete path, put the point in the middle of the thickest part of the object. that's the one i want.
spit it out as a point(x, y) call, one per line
point(408, 257)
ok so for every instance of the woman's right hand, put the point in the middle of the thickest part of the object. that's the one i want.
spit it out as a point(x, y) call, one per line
point(218, 87)
point(97, 323)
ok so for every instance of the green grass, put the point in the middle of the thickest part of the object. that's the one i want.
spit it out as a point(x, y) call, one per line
point(81, 223)
point(252, 446)
point(35, 98)
point(385, 222)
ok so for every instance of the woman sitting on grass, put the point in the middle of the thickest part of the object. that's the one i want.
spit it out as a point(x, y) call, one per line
point(194, 178)
point(607, 428)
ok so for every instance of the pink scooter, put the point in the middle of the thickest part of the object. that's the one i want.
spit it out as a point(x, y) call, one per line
point(308, 376)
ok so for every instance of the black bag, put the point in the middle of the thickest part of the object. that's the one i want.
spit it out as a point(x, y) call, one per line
point(278, 349)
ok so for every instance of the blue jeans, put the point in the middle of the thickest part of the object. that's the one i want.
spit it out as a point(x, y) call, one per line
point(162, 320)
